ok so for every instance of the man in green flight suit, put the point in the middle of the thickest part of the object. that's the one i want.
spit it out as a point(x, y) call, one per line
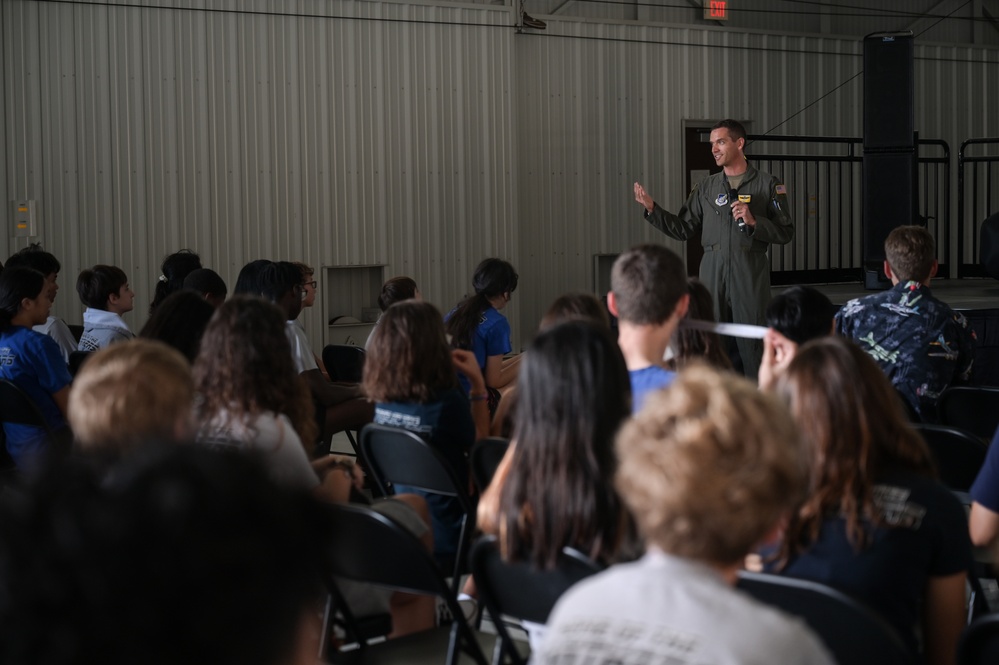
point(741, 212)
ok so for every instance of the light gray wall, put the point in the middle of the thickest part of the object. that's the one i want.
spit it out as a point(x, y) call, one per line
point(422, 137)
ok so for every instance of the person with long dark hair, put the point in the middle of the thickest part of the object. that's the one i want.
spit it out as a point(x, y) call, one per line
point(410, 373)
point(876, 523)
point(180, 322)
point(476, 325)
point(32, 361)
point(554, 488)
point(175, 268)
point(688, 344)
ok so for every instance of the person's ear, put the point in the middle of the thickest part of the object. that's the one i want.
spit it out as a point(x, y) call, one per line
point(682, 306)
point(933, 268)
point(887, 269)
point(612, 303)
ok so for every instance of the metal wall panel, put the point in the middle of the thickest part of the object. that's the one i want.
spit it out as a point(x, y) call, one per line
point(337, 133)
point(417, 136)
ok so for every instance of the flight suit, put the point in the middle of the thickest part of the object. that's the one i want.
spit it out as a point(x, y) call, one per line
point(735, 266)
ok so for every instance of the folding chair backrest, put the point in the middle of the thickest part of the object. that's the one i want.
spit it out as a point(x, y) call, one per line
point(344, 362)
point(959, 455)
point(519, 589)
point(979, 644)
point(400, 457)
point(971, 408)
point(852, 632)
point(485, 458)
point(372, 548)
point(16, 406)
point(76, 360)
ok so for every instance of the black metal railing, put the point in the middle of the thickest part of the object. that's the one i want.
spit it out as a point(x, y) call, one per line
point(824, 176)
point(977, 198)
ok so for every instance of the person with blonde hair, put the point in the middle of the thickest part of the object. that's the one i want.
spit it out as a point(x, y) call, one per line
point(709, 468)
point(130, 394)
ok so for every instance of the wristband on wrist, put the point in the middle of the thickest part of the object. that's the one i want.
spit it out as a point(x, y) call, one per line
point(478, 397)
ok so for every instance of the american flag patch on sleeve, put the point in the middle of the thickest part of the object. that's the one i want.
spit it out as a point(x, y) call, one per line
point(781, 189)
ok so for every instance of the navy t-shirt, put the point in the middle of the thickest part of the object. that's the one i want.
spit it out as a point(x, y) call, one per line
point(926, 535)
point(490, 338)
point(446, 423)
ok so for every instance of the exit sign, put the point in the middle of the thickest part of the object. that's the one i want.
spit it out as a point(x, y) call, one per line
point(716, 10)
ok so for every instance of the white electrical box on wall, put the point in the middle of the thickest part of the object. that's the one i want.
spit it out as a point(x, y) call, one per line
point(25, 214)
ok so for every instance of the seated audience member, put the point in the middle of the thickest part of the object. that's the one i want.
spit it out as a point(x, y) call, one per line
point(575, 306)
point(795, 316)
point(248, 279)
point(708, 468)
point(245, 342)
point(107, 295)
point(32, 361)
point(554, 488)
point(180, 322)
point(309, 288)
point(984, 519)
point(175, 269)
point(250, 395)
point(130, 395)
point(180, 555)
point(476, 325)
point(395, 290)
point(208, 284)
point(921, 344)
point(410, 373)
point(344, 405)
point(36, 258)
point(649, 297)
point(689, 344)
point(876, 524)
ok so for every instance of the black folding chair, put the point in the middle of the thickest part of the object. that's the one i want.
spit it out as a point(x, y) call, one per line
point(522, 591)
point(17, 407)
point(979, 643)
point(959, 456)
point(372, 548)
point(399, 457)
point(972, 408)
point(76, 360)
point(344, 362)
point(852, 632)
point(485, 458)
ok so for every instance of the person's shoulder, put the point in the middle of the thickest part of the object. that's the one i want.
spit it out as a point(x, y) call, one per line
point(653, 376)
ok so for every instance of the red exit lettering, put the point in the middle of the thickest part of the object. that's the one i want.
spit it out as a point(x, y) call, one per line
point(718, 9)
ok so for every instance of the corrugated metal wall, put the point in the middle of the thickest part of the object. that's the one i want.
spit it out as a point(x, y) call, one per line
point(422, 137)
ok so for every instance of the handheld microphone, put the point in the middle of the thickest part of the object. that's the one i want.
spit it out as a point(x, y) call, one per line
point(733, 196)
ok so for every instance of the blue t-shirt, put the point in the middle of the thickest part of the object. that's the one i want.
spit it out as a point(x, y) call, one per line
point(446, 424)
point(490, 338)
point(646, 380)
point(926, 536)
point(33, 362)
point(986, 488)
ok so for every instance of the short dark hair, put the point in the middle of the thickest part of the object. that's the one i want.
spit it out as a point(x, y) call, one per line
point(573, 306)
point(396, 290)
point(648, 281)
point(206, 280)
point(277, 279)
point(16, 284)
point(734, 127)
point(36, 258)
point(248, 280)
point(179, 322)
point(167, 561)
point(910, 252)
point(801, 313)
point(95, 285)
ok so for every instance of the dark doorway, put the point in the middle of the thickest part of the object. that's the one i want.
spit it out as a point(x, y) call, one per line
point(699, 163)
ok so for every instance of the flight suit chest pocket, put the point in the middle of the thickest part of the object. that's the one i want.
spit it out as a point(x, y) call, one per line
point(715, 216)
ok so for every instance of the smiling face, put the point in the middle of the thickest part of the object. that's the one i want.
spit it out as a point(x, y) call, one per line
point(726, 150)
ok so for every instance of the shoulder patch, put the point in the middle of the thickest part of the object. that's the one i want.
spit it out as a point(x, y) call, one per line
point(781, 189)
point(722, 200)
